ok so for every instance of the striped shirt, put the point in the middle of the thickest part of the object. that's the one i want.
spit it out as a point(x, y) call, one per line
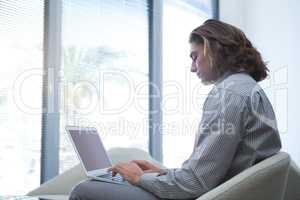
point(237, 130)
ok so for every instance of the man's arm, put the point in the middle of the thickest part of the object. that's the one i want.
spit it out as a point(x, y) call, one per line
point(219, 136)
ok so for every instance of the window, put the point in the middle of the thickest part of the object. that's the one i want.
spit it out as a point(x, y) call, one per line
point(21, 49)
point(105, 72)
point(104, 80)
point(183, 93)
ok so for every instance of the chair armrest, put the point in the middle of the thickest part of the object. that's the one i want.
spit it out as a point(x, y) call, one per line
point(63, 183)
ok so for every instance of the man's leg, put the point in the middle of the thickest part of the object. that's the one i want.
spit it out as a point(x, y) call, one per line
point(97, 190)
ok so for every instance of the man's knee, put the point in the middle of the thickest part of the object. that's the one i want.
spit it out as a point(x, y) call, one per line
point(77, 192)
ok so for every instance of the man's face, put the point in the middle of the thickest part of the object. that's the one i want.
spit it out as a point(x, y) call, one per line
point(200, 64)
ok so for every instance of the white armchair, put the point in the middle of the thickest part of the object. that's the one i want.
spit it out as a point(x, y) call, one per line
point(266, 180)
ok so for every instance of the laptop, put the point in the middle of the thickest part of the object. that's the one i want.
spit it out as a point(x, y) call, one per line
point(92, 154)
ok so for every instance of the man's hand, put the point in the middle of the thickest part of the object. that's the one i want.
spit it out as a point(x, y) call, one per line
point(131, 172)
point(146, 166)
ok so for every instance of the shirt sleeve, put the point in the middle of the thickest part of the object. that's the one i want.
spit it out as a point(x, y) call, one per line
point(215, 146)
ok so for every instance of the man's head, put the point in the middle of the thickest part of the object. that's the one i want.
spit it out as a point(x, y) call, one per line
point(217, 48)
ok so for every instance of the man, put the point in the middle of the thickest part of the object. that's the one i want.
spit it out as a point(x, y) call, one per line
point(237, 130)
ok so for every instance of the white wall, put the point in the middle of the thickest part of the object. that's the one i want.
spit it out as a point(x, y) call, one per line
point(273, 26)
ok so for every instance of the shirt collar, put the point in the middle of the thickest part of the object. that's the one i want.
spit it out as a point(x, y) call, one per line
point(228, 73)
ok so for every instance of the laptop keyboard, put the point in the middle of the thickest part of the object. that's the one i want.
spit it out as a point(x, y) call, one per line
point(113, 178)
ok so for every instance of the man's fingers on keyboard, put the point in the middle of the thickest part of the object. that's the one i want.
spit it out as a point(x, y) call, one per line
point(109, 169)
point(114, 173)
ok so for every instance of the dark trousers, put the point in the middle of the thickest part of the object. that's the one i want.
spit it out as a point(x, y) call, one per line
point(97, 190)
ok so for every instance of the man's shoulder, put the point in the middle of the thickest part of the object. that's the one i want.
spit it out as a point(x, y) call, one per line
point(241, 84)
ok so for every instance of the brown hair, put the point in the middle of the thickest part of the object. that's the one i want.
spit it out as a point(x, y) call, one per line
point(228, 49)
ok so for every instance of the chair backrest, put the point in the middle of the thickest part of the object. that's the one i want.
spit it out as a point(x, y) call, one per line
point(120, 154)
point(292, 191)
point(265, 180)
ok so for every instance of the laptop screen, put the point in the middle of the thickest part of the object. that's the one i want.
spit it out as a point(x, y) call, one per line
point(90, 148)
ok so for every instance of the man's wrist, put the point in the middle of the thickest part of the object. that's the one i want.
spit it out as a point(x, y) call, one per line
point(137, 178)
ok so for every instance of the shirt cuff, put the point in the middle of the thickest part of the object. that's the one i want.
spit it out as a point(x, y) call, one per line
point(147, 180)
point(163, 171)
